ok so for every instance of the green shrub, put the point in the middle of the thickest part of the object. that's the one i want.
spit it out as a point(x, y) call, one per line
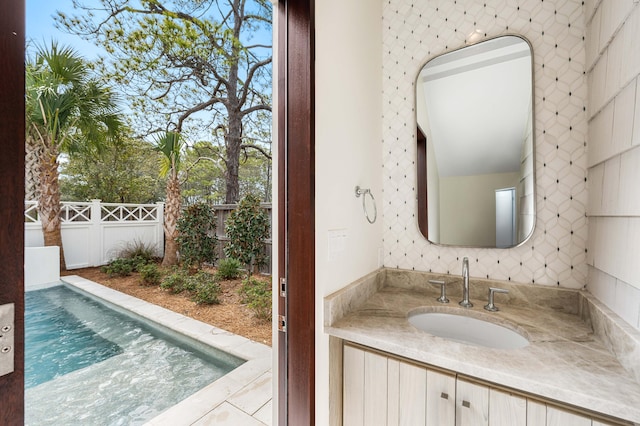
point(228, 269)
point(175, 281)
point(257, 295)
point(196, 235)
point(191, 283)
point(138, 250)
point(247, 227)
point(119, 268)
point(207, 288)
point(150, 274)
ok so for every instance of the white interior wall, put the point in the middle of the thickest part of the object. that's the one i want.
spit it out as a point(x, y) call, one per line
point(469, 205)
point(348, 91)
point(613, 63)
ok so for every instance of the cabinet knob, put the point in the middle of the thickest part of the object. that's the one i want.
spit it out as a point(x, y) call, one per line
point(444, 395)
point(466, 404)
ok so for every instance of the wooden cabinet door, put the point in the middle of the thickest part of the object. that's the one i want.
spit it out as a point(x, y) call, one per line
point(412, 402)
point(536, 413)
point(385, 391)
point(506, 409)
point(353, 387)
point(441, 399)
point(472, 404)
point(375, 389)
point(559, 417)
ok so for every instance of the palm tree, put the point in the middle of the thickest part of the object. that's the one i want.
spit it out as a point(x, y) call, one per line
point(66, 110)
point(171, 146)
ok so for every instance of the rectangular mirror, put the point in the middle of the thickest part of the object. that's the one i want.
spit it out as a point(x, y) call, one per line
point(475, 140)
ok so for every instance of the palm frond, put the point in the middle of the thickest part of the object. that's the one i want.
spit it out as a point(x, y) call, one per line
point(67, 106)
point(170, 145)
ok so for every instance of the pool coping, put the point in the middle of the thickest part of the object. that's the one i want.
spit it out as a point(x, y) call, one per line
point(198, 405)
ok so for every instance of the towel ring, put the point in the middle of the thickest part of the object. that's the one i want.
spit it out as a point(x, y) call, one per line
point(364, 192)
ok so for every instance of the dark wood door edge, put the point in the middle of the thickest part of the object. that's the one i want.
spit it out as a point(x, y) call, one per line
point(12, 40)
point(296, 244)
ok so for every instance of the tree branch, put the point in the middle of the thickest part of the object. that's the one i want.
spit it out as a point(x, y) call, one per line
point(257, 148)
point(195, 109)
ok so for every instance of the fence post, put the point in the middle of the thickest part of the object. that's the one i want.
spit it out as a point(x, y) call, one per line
point(95, 235)
point(160, 228)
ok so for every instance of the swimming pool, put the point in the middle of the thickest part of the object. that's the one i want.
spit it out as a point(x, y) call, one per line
point(88, 364)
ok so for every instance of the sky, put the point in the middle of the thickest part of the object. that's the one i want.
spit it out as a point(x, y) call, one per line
point(40, 26)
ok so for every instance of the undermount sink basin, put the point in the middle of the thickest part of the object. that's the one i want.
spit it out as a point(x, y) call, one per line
point(465, 329)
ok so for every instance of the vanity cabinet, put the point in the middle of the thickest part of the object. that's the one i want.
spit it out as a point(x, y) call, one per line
point(381, 389)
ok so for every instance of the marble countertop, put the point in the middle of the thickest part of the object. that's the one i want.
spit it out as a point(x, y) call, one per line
point(565, 360)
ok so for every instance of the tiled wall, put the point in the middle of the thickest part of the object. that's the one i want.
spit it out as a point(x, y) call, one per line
point(416, 30)
point(613, 65)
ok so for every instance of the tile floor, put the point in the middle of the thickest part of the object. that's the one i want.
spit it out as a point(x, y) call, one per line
point(242, 397)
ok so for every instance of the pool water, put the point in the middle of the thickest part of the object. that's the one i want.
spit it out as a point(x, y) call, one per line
point(87, 364)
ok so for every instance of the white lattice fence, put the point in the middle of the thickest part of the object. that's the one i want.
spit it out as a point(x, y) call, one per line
point(93, 232)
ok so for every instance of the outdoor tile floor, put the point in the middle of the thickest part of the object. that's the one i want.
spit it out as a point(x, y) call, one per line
point(242, 397)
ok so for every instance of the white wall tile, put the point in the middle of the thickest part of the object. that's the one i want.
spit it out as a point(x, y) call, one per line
point(635, 139)
point(602, 286)
point(627, 302)
point(623, 110)
point(630, 66)
point(593, 40)
point(610, 186)
point(630, 270)
point(613, 15)
point(615, 54)
point(597, 80)
point(629, 183)
point(600, 135)
point(616, 248)
point(590, 7)
point(595, 182)
point(592, 241)
point(614, 235)
point(617, 295)
point(416, 31)
point(610, 244)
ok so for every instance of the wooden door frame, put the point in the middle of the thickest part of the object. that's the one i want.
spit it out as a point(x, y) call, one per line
point(12, 40)
point(296, 205)
point(421, 165)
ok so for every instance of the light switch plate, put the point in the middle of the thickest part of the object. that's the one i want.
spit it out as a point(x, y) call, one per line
point(337, 244)
point(7, 338)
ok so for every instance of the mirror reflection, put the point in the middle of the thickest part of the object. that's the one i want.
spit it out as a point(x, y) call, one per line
point(474, 109)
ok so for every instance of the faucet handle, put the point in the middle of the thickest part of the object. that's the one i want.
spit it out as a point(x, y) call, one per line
point(491, 307)
point(443, 290)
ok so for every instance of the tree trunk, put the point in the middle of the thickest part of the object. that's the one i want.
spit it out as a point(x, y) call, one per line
point(234, 140)
point(33, 154)
point(171, 215)
point(49, 202)
point(234, 135)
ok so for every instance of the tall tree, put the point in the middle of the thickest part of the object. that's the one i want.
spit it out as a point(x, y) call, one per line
point(204, 178)
point(171, 147)
point(123, 172)
point(67, 109)
point(193, 64)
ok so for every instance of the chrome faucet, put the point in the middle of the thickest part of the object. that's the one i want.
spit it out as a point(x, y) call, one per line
point(465, 303)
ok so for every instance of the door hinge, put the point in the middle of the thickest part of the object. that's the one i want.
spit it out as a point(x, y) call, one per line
point(7, 338)
point(283, 287)
point(282, 323)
